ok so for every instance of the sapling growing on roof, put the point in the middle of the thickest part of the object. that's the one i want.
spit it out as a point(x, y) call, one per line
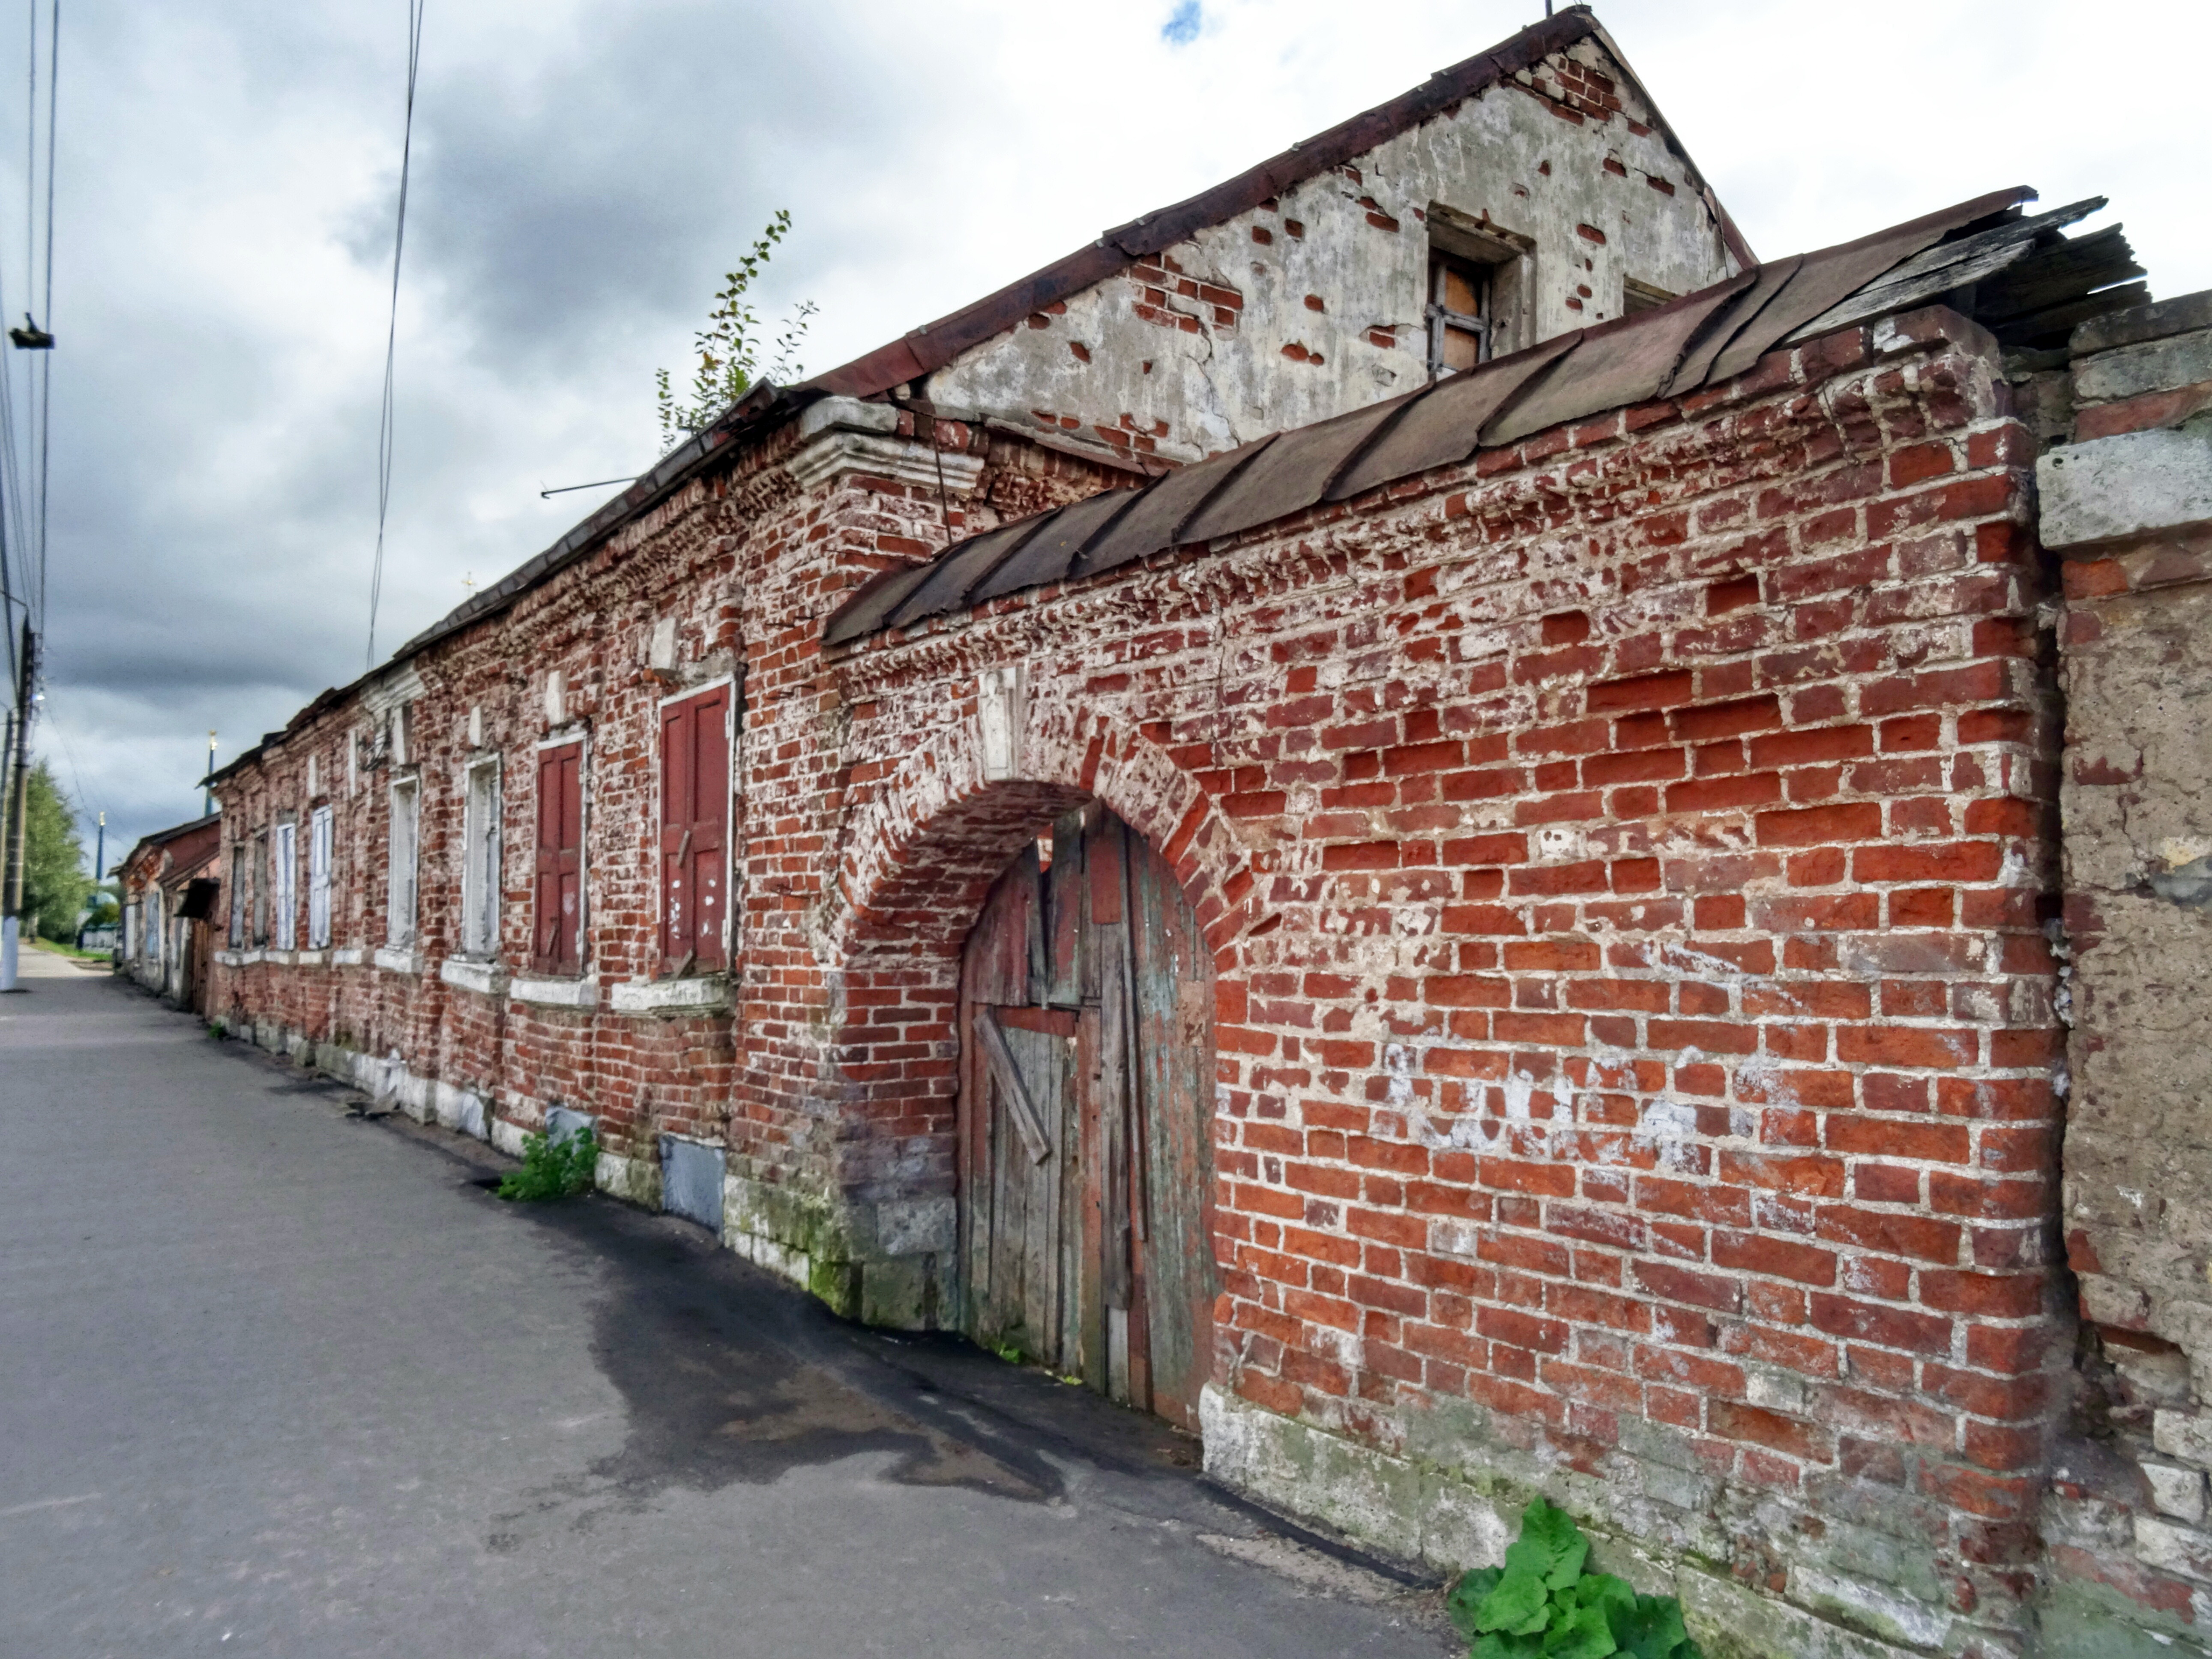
point(730, 346)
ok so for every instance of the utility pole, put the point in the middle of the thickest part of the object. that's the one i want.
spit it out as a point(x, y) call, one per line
point(11, 886)
point(207, 798)
point(99, 856)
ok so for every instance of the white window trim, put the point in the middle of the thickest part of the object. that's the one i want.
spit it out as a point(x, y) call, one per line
point(401, 888)
point(319, 854)
point(240, 856)
point(284, 884)
point(482, 859)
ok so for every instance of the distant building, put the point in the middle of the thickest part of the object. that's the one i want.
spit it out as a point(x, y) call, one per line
point(170, 890)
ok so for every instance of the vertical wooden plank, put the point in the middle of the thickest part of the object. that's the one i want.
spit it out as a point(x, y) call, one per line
point(1174, 1030)
point(1090, 1290)
point(1040, 1057)
point(1064, 914)
point(1069, 1139)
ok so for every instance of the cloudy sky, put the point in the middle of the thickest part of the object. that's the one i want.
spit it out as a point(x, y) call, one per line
point(584, 169)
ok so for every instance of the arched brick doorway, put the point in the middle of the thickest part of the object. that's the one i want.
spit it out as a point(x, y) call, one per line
point(1085, 1123)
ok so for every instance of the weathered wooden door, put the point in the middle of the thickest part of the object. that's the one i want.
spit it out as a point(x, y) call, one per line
point(1087, 1119)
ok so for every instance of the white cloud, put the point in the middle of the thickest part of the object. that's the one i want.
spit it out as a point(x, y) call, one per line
point(586, 168)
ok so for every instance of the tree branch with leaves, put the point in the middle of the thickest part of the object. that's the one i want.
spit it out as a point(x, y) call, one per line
point(730, 345)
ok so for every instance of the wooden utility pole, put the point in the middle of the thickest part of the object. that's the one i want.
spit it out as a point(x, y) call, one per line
point(11, 881)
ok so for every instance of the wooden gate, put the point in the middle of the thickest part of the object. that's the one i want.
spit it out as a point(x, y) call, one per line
point(1087, 1094)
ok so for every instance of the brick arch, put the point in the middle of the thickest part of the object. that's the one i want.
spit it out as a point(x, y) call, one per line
point(919, 859)
point(937, 826)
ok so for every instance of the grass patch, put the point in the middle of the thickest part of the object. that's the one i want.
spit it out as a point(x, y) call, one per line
point(61, 950)
point(552, 1168)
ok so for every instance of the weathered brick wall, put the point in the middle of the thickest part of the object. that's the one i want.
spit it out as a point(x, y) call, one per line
point(741, 568)
point(2129, 504)
point(1623, 859)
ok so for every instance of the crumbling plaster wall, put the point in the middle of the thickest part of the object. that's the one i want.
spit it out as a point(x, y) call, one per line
point(1312, 305)
point(2128, 506)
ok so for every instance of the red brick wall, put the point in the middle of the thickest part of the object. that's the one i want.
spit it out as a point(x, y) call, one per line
point(1623, 859)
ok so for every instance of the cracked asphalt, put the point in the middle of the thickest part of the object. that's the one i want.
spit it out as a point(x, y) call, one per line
point(277, 1378)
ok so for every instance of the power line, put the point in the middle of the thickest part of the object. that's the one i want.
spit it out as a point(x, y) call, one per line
point(45, 359)
point(392, 332)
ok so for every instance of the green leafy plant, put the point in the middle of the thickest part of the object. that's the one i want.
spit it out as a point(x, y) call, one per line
point(1542, 1604)
point(730, 346)
point(552, 1168)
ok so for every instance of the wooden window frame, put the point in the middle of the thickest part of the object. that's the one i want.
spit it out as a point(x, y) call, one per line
point(238, 856)
point(1444, 321)
point(284, 883)
point(550, 928)
point(320, 852)
point(1502, 263)
point(401, 862)
point(1636, 297)
point(684, 945)
point(482, 861)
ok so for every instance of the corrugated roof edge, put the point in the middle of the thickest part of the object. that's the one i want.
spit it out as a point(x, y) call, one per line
point(935, 345)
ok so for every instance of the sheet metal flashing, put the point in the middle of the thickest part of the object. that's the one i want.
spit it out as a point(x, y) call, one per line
point(1698, 339)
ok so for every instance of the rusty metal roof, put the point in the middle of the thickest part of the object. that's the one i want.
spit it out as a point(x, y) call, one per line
point(1699, 339)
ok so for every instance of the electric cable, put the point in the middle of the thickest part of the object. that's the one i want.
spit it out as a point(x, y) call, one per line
point(384, 429)
point(45, 359)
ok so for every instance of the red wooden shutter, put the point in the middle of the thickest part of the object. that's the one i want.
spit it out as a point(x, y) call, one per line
point(556, 937)
point(695, 813)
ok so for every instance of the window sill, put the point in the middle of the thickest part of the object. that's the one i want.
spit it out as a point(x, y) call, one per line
point(486, 978)
point(582, 992)
point(395, 959)
point(310, 958)
point(236, 958)
point(351, 957)
point(709, 993)
point(281, 959)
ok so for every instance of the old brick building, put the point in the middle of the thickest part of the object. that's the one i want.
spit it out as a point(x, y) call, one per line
point(1409, 812)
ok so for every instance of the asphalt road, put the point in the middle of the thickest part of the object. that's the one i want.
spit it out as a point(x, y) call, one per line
point(277, 1378)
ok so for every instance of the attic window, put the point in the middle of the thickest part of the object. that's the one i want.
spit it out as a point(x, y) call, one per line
point(1637, 296)
point(1459, 314)
point(1479, 279)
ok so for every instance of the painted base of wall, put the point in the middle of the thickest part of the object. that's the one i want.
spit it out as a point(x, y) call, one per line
point(1417, 1513)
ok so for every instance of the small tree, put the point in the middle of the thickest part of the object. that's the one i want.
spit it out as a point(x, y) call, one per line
point(55, 884)
point(730, 346)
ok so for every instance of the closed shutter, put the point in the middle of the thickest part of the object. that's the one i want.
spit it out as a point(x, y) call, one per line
point(318, 880)
point(288, 892)
point(695, 815)
point(556, 937)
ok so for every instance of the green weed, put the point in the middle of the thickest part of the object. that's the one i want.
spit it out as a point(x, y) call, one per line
point(552, 1168)
point(1542, 1604)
